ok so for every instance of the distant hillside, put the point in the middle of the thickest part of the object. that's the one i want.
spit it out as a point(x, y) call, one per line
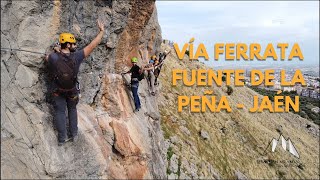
point(231, 145)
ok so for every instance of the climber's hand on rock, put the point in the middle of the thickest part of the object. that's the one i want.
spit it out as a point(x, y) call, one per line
point(95, 42)
point(100, 25)
point(56, 49)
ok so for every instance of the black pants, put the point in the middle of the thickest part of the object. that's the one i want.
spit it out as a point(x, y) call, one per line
point(61, 102)
point(156, 74)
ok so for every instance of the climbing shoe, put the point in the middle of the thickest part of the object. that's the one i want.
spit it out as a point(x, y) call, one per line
point(68, 139)
point(61, 143)
point(136, 110)
point(153, 93)
point(74, 139)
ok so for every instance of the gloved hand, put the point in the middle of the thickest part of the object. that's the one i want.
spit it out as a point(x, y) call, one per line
point(56, 47)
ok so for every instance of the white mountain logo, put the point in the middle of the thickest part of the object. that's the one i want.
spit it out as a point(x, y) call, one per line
point(286, 145)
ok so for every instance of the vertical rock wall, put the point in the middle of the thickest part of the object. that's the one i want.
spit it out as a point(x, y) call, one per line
point(113, 141)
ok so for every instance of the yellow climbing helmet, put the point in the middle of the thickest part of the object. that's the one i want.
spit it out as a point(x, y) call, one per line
point(153, 57)
point(67, 37)
point(134, 60)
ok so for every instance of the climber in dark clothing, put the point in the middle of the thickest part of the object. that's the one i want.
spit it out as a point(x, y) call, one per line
point(149, 74)
point(135, 72)
point(158, 65)
point(64, 66)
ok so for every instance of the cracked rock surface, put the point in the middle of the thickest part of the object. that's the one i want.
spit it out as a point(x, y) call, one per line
point(113, 141)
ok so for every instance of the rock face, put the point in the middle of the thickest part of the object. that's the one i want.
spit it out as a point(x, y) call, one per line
point(113, 141)
point(204, 134)
point(240, 176)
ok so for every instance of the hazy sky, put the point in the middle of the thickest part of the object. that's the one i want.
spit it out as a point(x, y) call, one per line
point(210, 22)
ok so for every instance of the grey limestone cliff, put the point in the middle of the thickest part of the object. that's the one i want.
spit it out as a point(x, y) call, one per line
point(113, 141)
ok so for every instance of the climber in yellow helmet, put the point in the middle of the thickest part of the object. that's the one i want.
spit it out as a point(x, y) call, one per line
point(135, 77)
point(64, 67)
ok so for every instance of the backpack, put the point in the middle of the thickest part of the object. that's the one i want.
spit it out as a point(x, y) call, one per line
point(66, 72)
point(141, 75)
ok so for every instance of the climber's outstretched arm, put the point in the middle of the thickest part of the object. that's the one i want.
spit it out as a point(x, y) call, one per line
point(88, 49)
point(127, 72)
point(148, 67)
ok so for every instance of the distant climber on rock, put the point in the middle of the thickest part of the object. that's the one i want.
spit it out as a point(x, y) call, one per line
point(158, 65)
point(149, 74)
point(156, 71)
point(64, 66)
point(135, 76)
point(163, 56)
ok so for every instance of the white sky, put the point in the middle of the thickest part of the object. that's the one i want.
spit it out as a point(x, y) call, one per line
point(210, 22)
